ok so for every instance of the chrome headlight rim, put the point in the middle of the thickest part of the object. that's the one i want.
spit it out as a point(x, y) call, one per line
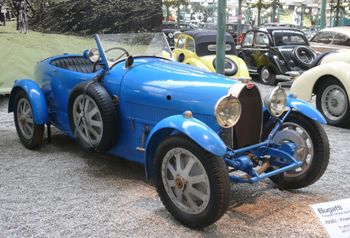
point(94, 55)
point(268, 102)
point(221, 121)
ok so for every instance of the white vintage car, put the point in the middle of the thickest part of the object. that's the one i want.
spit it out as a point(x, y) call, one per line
point(330, 82)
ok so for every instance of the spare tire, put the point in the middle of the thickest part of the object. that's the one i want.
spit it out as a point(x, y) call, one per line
point(231, 67)
point(93, 116)
point(303, 57)
point(319, 57)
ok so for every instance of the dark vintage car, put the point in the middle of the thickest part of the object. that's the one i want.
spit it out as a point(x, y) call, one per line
point(273, 51)
point(170, 28)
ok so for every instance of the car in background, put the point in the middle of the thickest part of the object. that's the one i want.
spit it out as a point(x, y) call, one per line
point(209, 26)
point(231, 28)
point(198, 48)
point(272, 51)
point(169, 29)
point(329, 81)
point(276, 24)
point(309, 32)
point(332, 38)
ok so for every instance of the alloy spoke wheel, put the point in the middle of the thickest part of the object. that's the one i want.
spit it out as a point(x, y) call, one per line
point(265, 74)
point(304, 152)
point(185, 180)
point(25, 118)
point(87, 119)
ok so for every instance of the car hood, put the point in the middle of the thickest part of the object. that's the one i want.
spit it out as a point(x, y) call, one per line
point(173, 88)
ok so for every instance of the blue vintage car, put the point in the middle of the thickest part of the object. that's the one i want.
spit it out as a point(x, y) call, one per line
point(194, 131)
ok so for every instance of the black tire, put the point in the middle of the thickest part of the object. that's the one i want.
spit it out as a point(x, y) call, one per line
point(333, 117)
point(217, 175)
point(297, 56)
point(31, 140)
point(266, 76)
point(319, 160)
point(231, 67)
point(107, 111)
point(181, 58)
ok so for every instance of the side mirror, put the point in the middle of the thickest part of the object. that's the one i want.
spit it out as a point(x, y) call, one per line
point(181, 58)
point(92, 54)
point(129, 62)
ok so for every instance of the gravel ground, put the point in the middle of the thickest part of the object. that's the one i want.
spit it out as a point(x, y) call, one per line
point(61, 190)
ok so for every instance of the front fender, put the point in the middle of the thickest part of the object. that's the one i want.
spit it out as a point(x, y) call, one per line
point(304, 85)
point(306, 109)
point(199, 132)
point(36, 97)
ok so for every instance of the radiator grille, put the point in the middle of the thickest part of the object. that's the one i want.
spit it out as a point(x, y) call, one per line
point(247, 131)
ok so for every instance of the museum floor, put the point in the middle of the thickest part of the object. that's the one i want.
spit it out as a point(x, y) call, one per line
point(63, 191)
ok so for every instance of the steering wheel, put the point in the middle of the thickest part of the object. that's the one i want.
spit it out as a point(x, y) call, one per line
point(125, 52)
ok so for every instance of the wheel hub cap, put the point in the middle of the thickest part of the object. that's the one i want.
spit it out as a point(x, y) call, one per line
point(87, 119)
point(293, 132)
point(265, 74)
point(180, 182)
point(25, 118)
point(185, 181)
point(334, 102)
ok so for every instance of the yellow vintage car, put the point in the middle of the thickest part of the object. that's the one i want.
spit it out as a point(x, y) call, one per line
point(198, 48)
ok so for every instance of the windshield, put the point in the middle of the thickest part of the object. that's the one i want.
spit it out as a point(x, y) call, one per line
point(289, 37)
point(116, 47)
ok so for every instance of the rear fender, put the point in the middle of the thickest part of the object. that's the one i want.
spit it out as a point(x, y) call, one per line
point(199, 63)
point(306, 109)
point(36, 97)
point(199, 132)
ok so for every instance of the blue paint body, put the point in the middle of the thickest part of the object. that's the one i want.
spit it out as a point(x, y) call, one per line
point(153, 94)
point(305, 109)
point(36, 98)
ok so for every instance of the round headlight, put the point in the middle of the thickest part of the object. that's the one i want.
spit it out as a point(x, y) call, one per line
point(94, 55)
point(276, 102)
point(227, 111)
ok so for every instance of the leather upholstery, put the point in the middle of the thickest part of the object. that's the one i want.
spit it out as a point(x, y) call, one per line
point(75, 63)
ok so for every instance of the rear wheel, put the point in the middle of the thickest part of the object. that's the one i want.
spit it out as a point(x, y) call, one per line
point(332, 101)
point(312, 148)
point(30, 134)
point(192, 183)
point(267, 76)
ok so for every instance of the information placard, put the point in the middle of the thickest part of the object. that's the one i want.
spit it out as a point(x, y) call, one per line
point(335, 217)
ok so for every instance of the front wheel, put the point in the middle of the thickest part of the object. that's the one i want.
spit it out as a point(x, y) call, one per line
point(192, 183)
point(312, 148)
point(267, 77)
point(332, 101)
